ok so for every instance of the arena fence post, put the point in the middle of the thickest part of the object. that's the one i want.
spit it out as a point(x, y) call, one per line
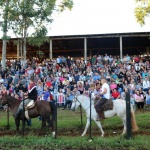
point(81, 118)
point(23, 118)
point(7, 117)
point(90, 118)
point(128, 116)
point(56, 118)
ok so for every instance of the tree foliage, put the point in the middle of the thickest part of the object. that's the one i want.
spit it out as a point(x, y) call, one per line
point(142, 11)
point(34, 16)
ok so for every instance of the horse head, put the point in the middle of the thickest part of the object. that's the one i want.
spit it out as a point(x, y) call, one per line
point(75, 103)
point(93, 96)
point(3, 100)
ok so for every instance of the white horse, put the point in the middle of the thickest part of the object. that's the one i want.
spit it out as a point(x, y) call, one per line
point(119, 108)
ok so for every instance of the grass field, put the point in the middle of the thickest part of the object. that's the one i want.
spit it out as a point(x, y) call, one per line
point(69, 131)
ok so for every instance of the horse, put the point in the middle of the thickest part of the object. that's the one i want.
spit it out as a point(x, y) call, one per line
point(119, 108)
point(41, 108)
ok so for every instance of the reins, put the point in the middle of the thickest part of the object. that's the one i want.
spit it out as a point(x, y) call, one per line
point(80, 103)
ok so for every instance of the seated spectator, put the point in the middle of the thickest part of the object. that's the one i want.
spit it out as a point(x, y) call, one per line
point(108, 76)
point(138, 86)
point(138, 78)
point(144, 74)
point(148, 97)
point(4, 91)
point(60, 98)
point(114, 76)
point(146, 84)
point(132, 86)
point(11, 89)
point(120, 87)
point(113, 85)
point(136, 59)
point(96, 76)
point(115, 94)
point(123, 94)
point(1, 80)
point(80, 87)
point(86, 86)
point(82, 77)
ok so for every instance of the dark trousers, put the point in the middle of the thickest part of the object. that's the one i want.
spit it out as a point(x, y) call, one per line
point(140, 105)
point(99, 104)
point(68, 102)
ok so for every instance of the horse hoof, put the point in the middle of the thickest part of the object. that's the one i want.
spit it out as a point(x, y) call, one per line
point(53, 134)
point(82, 135)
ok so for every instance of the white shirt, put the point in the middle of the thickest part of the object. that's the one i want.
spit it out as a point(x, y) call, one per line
point(107, 94)
point(146, 84)
point(1, 80)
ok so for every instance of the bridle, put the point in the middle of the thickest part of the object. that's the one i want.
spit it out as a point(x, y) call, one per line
point(76, 100)
point(3, 99)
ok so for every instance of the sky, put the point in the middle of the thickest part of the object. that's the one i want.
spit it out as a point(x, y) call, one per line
point(97, 17)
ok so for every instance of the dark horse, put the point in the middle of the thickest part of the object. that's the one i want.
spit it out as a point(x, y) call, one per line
point(41, 108)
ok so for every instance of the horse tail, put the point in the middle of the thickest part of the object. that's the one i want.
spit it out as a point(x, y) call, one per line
point(133, 120)
point(53, 109)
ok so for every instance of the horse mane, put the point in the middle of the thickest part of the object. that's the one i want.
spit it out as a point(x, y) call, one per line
point(13, 99)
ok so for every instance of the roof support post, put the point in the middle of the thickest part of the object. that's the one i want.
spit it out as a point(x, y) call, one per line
point(121, 49)
point(18, 50)
point(85, 49)
point(50, 49)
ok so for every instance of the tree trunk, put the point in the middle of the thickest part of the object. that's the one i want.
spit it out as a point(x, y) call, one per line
point(5, 35)
point(24, 48)
point(4, 54)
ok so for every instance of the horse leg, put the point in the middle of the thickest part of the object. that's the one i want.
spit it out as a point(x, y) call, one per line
point(99, 126)
point(50, 124)
point(17, 122)
point(124, 124)
point(86, 127)
point(43, 123)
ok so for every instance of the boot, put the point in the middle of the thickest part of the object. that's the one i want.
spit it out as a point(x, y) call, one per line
point(100, 115)
point(18, 113)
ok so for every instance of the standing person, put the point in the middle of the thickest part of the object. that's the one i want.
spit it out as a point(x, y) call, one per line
point(68, 62)
point(46, 94)
point(31, 95)
point(148, 97)
point(139, 99)
point(105, 93)
point(69, 100)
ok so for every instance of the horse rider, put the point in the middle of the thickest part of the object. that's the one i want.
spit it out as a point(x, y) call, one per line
point(31, 94)
point(104, 93)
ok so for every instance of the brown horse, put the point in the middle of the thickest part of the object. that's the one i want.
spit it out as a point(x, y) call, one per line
point(41, 108)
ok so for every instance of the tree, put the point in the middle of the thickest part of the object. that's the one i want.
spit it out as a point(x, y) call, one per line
point(30, 18)
point(142, 11)
point(4, 25)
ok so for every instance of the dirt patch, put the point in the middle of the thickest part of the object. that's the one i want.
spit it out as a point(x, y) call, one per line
point(73, 132)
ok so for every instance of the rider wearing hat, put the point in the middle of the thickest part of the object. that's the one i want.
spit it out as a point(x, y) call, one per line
point(30, 95)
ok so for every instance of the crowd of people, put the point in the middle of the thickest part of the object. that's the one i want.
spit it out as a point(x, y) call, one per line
point(62, 78)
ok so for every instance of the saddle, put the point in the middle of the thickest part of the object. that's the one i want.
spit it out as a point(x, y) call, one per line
point(108, 105)
point(30, 105)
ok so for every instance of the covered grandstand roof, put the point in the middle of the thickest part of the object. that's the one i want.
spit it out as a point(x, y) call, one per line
point(92, 17)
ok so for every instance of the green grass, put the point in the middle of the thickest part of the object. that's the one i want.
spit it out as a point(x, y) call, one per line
point(69, 131)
